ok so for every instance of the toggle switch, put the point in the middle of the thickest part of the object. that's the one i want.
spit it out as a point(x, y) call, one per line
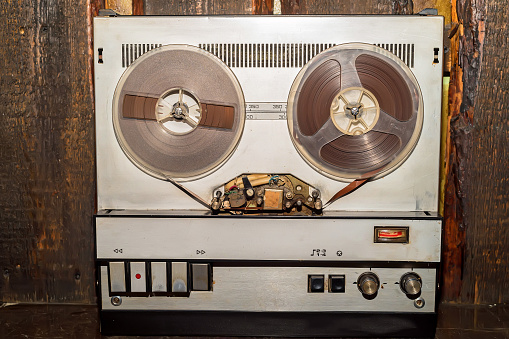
point(138, 277)
point(179, 277)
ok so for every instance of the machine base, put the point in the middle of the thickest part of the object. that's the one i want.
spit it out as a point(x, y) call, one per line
point(279, 324)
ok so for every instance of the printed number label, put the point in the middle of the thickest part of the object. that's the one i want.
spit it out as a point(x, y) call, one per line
point(317, 252)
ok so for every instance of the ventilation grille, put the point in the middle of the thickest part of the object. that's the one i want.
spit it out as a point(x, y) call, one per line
point(265, 55)
point(131, 52)
point(403, 51)
point(287, 55)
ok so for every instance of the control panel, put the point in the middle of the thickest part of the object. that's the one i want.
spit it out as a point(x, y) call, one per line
point(179, 285)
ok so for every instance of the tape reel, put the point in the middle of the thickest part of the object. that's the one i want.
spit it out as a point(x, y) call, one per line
point(355, 111)
point(178, 112)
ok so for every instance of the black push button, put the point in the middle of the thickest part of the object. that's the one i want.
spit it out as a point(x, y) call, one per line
point(315, 283)
point(337, 283)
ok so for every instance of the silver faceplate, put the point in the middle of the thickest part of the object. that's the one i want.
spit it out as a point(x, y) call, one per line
point(285, 289)
point(216, 238)
point(265, 146)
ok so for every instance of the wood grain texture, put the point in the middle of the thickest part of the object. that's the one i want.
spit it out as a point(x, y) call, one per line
point(477, 199)
point(138, 7)
point(485, 47)
point(365, 7)
point(402, 7)
point(263, 6)
point(293, 7)
point(47, 151)
point(453, 246)
point(122, 7)
point(198, 7)
point(336, 7)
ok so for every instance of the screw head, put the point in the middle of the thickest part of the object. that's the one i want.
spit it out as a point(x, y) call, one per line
point(116, 301)
point(419, 303)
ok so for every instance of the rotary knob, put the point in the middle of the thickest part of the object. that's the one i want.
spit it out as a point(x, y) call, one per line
point(411, 284)
point(368, 283)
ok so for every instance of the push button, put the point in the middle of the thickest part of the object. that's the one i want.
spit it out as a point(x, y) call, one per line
point(315, 283)
point(337, 283)
point(117, 277)
point(200, 277)
point(158, 276)
point(179, 277)
point(138, 277)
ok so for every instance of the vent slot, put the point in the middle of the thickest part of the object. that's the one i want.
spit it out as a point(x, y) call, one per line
point(131, 52)
point(403, 51)
point(265, 55)
point(287, 55)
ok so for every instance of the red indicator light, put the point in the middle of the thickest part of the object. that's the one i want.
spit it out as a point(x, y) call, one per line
point(390, 234)
point(138, 276)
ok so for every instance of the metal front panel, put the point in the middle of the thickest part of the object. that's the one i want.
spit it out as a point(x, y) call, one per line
point(285, 289)
point(412, 187)
point(263, 239)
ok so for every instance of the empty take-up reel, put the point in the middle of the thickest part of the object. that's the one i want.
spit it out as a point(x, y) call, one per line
point(355, 113)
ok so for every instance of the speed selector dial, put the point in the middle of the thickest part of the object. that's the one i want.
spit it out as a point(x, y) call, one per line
point(368, 283)
point(411, 284)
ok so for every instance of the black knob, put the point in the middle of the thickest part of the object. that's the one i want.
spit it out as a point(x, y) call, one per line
point(411, 284)
point(368, 283)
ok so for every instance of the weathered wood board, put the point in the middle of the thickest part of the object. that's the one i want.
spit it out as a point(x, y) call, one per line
point(47, 149)
point(200, 7)
point(476, 245)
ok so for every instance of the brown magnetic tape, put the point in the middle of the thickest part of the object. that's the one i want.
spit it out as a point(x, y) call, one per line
point(185, 87)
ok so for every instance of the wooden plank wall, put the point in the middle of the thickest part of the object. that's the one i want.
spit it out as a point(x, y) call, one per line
point(202, 7)
point(476, 243)
point(47, 152)
point(47, 172)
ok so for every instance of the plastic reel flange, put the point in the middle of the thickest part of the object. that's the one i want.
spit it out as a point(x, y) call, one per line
point(178, 112)
point(355, 111)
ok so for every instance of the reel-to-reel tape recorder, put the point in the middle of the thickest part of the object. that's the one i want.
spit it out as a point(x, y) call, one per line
point(268, 175)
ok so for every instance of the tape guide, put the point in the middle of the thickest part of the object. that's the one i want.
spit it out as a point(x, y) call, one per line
point(268, 175)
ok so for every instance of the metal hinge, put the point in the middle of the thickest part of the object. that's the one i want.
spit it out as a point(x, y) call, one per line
point(107, 12)
point(428, 11)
